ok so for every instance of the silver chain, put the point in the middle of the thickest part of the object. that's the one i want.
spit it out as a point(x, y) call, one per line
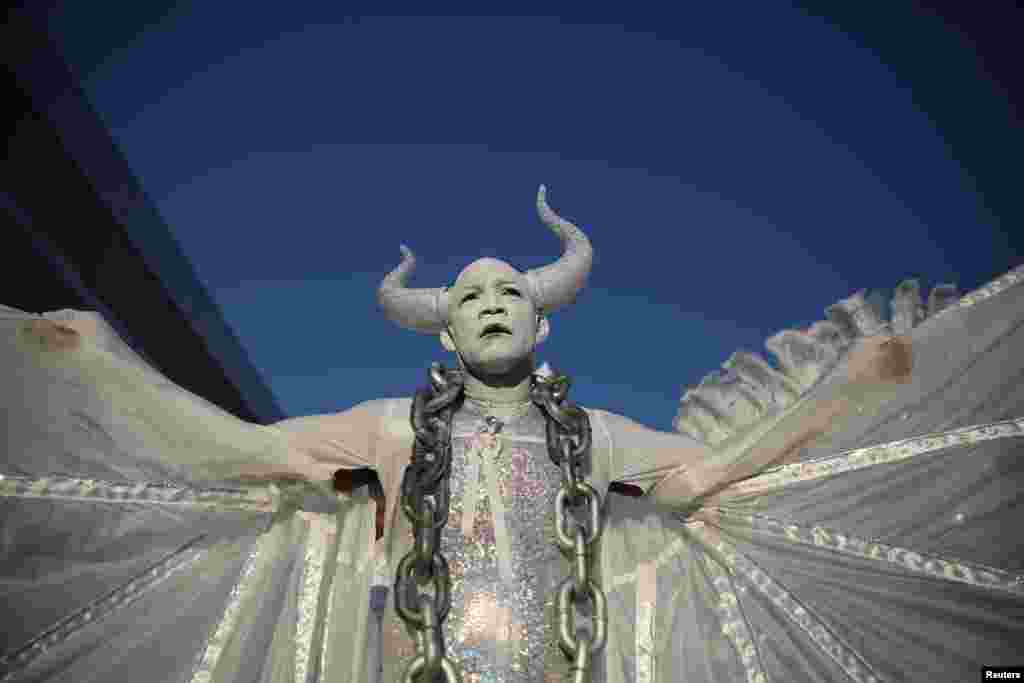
point(568, 441)
point(425, 497)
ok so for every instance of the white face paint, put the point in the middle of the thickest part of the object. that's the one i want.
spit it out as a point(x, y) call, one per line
point(492, 319)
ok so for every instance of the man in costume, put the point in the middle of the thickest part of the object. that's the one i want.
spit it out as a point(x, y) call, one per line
point(510, 561)
point(509, 584)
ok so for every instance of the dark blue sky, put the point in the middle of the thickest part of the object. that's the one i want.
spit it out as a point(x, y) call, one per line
point(738, 168)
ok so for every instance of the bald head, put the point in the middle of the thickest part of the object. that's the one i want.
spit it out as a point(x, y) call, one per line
point(485, 267)
point(493, 319)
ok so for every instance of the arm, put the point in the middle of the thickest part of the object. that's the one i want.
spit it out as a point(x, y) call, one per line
point(350, 440)
point(660, 464)
point(63, 367)
point(679, 471)
point(699, 478)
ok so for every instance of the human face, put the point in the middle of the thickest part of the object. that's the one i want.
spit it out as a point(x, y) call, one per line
point(492, 320)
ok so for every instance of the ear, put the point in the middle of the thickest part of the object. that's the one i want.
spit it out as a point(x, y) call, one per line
point(543, 329)
point(446, 341)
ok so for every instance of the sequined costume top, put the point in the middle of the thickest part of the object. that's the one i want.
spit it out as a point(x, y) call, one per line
point(505, 567)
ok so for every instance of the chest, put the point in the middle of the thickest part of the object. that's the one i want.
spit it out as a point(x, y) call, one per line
point(499, 543)
point(500, 475)
point(514, 454)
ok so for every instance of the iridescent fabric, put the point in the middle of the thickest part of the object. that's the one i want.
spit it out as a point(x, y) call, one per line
point(503, 560)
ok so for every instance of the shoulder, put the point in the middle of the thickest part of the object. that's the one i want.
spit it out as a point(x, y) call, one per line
point(391, 415)
point(602, 423)
point(387, 407)
point(394, 424)
point(606, 420)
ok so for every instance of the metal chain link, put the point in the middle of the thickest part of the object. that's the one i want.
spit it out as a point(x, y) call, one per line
point(568, 440)
point(424, 499)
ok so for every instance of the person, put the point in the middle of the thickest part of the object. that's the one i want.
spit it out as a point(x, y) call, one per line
point(657, 587)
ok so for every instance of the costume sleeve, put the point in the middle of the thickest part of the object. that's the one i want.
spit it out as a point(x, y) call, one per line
point(675, 469)
point(644, 457)
point(115, 550)
point(347, 440)
point(77, 382)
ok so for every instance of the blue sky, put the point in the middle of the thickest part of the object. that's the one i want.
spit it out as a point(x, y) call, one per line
point(738, 169)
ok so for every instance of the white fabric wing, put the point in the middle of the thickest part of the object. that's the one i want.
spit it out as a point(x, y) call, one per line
point(890, 551)
point(127, 554)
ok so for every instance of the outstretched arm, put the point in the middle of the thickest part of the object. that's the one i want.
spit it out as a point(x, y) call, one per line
point(358, 438)
point(700, 477)
point(60, 369)
point(677, 471)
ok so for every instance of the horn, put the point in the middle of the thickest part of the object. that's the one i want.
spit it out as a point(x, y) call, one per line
point(421, 310)
point(557, 284)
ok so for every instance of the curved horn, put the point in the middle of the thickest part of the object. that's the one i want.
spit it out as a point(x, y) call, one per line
point(556, 285)
point(421, 310)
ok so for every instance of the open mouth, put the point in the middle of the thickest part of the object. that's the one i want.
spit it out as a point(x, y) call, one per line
point(494, 330)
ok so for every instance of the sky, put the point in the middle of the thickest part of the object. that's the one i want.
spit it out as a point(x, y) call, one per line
point(738, 168)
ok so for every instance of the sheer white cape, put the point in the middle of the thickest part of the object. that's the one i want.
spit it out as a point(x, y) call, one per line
point(891, 552)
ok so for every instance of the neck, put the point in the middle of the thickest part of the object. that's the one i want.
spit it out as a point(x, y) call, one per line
point(509, 388)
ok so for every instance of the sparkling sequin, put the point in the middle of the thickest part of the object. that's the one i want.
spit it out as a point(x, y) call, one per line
point(1000, 284)
point(497, 632)
point(733, 624)
point(881, 454)
point(218, 640)
point(318, 540)
point(255, 499)
point(742, 569)
point(937, 566)
point(185, 556)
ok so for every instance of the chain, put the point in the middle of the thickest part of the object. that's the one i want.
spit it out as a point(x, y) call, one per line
point(568, 441)
point(424, 499)
point(425, 496)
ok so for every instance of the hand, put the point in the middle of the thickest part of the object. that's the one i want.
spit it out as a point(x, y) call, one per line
point(880, 359)
point(49, 335)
